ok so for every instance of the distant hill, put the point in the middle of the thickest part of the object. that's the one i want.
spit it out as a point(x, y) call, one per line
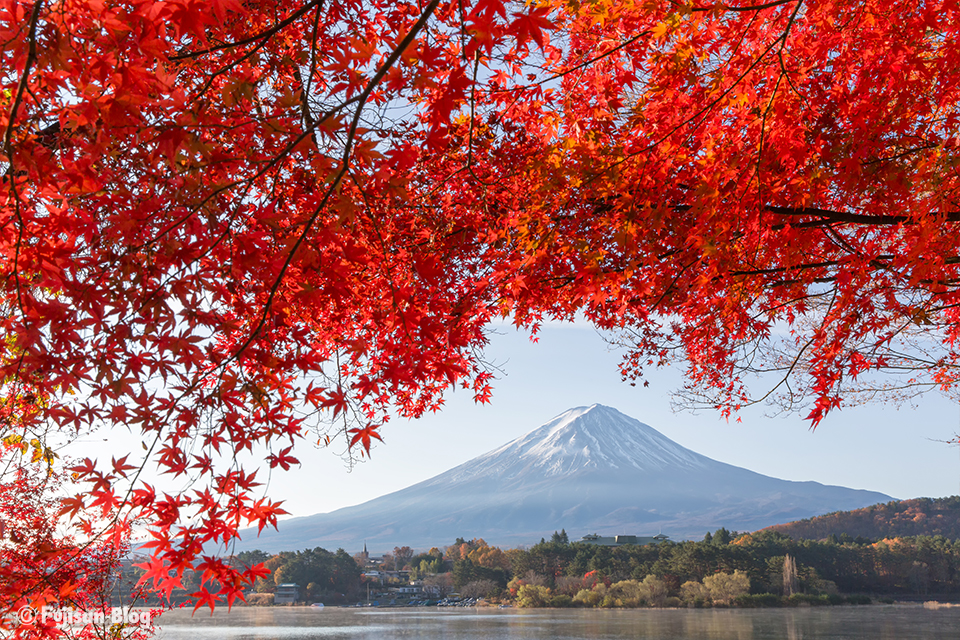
point(589, 470)
point(917, 517)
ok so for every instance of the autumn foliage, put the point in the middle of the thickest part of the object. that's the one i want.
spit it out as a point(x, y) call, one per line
point(917, 517)
point(42, 565)
point(235, 227)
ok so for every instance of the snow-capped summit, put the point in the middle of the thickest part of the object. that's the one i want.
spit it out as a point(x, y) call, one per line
point(586, 439)
point(588, 470)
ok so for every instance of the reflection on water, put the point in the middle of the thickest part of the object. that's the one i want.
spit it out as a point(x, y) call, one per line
point(305, 623)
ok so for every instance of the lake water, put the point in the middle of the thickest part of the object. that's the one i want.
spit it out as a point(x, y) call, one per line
point(874, 622)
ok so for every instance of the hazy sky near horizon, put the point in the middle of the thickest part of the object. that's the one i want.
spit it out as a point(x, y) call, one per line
point(878, 447)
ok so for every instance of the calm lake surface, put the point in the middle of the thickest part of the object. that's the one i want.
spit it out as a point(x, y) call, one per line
point(875, 622)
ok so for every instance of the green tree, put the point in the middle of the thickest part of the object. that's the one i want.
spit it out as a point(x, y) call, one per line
point(251, 558)
point(464, 571)
point(425, 567)
point(722, 537)
point(335, 575)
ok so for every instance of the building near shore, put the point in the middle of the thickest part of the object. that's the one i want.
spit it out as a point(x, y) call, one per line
point(620, 540)
point(287, 593)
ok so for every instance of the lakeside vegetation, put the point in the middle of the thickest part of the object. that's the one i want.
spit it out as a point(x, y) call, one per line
point(724, 569)
point(915, 517)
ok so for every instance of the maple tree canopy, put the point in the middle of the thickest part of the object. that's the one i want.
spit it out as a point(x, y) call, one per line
point(238, 225)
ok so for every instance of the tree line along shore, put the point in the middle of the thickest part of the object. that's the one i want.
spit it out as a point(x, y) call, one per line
point(725, 569)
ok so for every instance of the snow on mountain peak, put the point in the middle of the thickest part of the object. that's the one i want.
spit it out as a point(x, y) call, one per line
point(582, 440)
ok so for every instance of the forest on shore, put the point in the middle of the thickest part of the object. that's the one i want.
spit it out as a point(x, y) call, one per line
point(916, 517)
point(765, 568)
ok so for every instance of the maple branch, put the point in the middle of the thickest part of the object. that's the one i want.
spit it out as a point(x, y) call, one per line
point(249, 181)
point(473, 103)
point(229, 67)
point(785, 378)
point(827, 217)
point(783, 67)
point(724, 7)
point(24, 79)
point(701, 112)
point(670, 287)
point(308, 132)
point(263, 34)
point(308, 117)
point(388, 269)
point(799, 267)
point(830, 216)
point(773, 94)
point(877, 262)
point(306, 86)
point(838, 240)
point(902, 154)
point(581, 65)
point(344, 166)
point(7, 141)
point(305, 114)
point(755, 7)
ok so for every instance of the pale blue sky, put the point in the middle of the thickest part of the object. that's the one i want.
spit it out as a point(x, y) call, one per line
point(876, 447)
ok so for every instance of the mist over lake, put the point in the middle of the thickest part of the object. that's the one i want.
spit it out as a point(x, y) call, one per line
point(849, 623)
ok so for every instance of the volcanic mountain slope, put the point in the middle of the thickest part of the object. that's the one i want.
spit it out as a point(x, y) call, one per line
point(589, 470)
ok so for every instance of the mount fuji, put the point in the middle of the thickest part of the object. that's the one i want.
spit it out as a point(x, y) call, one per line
point(589, 470)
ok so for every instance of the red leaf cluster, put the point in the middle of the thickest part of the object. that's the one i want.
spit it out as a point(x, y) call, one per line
point(41, 565)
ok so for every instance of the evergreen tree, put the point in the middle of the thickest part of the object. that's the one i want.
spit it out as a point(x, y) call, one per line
point(722, 537)
point(464, 571)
